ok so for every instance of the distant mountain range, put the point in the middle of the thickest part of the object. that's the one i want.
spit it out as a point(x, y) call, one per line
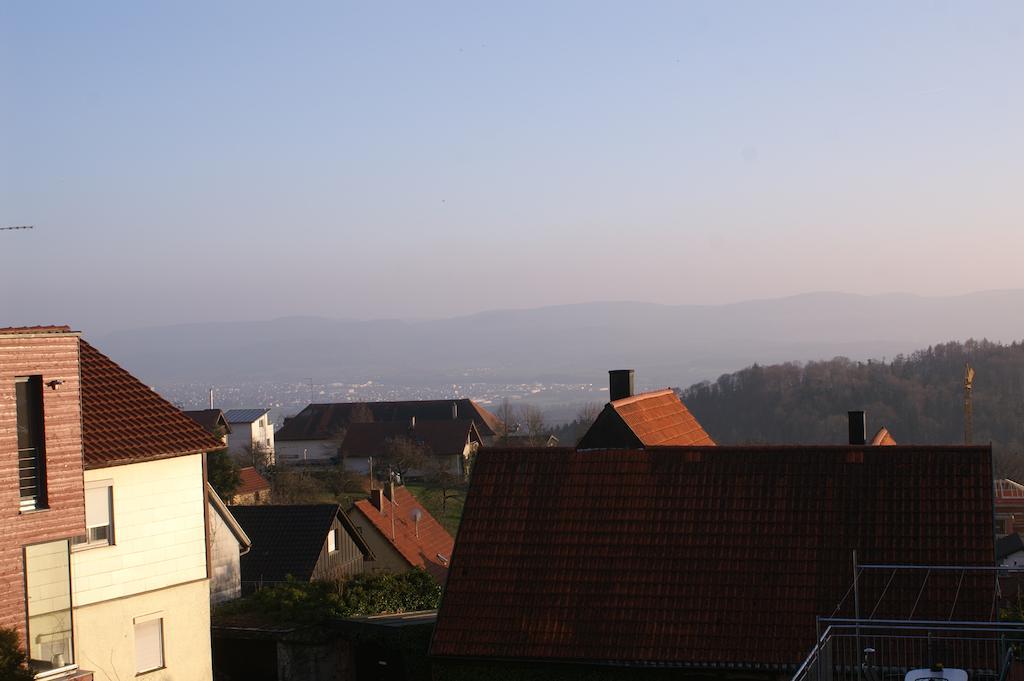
point(667, 344)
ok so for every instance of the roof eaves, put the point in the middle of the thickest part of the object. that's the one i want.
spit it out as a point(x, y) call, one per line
point(225, 513)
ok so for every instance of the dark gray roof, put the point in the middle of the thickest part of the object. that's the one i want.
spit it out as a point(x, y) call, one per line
point(287, 539)
point(1008, 545)
point(319, 421)
point(244, 415)
point(209, 419)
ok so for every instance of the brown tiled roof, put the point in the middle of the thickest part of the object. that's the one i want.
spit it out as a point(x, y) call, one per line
point(252, 481)
point(646, 420)
point(883, 438)
point(707, 555)
point(428, 546)
point(35, 329)
point(320, 421)
point(123, 421)
point(441, 437)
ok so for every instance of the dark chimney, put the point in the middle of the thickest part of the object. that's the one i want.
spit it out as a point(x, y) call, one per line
point(858, 428)
point(377, 499)
point(620, 384)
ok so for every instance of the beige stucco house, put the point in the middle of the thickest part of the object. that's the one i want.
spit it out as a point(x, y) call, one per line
point(140, 574)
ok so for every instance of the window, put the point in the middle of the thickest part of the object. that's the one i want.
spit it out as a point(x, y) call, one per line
point(48, 588)
point(31, 454)
point(149, 643)
point(99, 515)
point(332, 541)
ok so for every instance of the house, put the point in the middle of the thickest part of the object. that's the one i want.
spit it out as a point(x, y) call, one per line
point(314, 434)
point(140, 569)
point(42, 494)
point(106, 568)
point(1009, 502)
point(212, 421)
point(450, 444)
point(703, 561)
point(306, 542)
point(402, 534)
point(1010, 551)
point(228, 543)
point(253, 488)
point(652, 419)
point(252, 436)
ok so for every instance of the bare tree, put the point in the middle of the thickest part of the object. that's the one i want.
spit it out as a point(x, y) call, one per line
point(403, 455)
point(533, 422)
point(449, 484)
point(508, 423)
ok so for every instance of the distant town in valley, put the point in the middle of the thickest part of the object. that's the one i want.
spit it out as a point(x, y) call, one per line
point(560, 402)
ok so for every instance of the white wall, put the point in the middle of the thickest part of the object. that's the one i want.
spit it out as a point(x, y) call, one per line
point(311, 451)
point(105, 634)
point(225, 568)
point(159, 531)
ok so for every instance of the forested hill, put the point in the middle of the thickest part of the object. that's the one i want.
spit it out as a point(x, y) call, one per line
point(919, 398)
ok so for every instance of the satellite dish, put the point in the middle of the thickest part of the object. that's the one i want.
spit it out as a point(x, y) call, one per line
point(416, 514)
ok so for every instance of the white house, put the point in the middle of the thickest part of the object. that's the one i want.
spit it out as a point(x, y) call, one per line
point(251, 431)
point(140, 574)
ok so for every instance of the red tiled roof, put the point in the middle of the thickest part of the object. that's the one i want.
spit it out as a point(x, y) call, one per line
point(660, 418)
point(35, 329)
point(687, 556)
point(883, 438)
point(123, 421)
point(646, 420)
point(428, 547)
point(252, 481)
point(441, 437)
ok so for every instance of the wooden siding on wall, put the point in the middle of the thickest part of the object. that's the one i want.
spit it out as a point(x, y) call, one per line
point(54, 356)
point(344, 562)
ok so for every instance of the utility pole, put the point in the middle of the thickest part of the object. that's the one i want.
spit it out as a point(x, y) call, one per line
point(968, 407)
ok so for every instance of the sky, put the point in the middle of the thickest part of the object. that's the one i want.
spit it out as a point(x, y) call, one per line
point(187, 162)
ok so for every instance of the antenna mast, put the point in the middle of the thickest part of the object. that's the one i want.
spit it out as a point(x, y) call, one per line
point(968, 408)
point(11, 229)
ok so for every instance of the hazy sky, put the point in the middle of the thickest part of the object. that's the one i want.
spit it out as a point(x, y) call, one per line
point(189, 162)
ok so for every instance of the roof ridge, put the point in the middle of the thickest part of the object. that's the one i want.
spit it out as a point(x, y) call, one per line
point(640, 396)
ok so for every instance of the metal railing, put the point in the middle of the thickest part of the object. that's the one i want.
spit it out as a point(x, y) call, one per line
point(885, 650)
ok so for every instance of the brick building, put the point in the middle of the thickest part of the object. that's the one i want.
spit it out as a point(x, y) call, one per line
point(42, 498)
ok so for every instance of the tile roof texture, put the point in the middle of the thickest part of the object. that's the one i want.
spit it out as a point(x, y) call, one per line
point(244, 415)
point(320, 421)
point(123, 421)
point(645, 420)
point(717, 555)
point(441, 437)
point(420, 545)
point(288, 539)
point(251, 481)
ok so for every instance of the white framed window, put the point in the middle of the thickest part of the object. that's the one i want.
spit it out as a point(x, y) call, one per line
point(149, 643)
point(99, 515)
point(332, 541)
